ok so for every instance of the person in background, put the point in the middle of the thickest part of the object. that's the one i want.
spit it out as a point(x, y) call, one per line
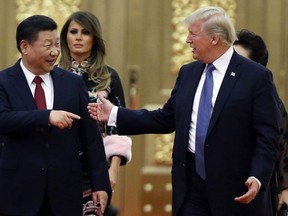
point(83, 53)
point(252, 46)
point(45, 123)
point(225, 152)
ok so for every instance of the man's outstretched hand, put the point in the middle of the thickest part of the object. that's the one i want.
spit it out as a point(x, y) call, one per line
point(101, 110)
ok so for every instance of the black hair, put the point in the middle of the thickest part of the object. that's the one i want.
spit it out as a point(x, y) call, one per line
point(255, 44)
point(29, 28)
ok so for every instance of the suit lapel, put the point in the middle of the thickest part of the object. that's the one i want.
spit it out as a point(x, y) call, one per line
point(230, 78)
point(190, 82)
point(58, 84)
point(21, 87)
point(193, 82)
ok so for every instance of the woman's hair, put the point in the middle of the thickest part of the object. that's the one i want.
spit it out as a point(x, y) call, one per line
point(254, 44)
point(215, 20)
point(98, 71)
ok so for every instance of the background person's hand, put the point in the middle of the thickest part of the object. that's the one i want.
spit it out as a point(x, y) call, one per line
point(114, 170)
point(283, 198)
point(100, 197)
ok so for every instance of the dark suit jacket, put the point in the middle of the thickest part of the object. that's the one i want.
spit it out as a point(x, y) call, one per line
point(37, 158)
point(242, 136)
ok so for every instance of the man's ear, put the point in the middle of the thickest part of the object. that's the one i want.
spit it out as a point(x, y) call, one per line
point(24, 47)
point(215, 39)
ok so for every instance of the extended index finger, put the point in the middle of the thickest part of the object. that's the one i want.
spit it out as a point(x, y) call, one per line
point(73, 116)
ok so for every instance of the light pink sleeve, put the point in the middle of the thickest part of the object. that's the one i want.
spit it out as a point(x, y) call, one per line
point(116, 145)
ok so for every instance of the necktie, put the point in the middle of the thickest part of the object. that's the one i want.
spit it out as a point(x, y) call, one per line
point(39, 94)
point(203, 119)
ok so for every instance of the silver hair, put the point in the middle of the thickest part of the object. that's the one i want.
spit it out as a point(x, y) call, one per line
point(215, 20)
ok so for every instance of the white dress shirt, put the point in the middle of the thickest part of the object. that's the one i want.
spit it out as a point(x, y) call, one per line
point(221, 65)
point(47, 85)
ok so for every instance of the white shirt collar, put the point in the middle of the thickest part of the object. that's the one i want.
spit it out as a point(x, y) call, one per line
point(30, 76)
point(223, 61)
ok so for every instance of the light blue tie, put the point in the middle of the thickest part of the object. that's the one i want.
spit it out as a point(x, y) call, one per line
point(203, 119)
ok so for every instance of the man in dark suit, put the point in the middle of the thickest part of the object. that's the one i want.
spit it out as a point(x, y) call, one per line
point(240, 148)
point(40, 164)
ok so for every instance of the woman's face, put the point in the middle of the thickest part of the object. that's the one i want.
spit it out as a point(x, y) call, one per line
point(80, 41)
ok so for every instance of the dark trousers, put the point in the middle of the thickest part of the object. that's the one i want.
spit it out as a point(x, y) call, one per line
point(45, 209)
point(195, 203)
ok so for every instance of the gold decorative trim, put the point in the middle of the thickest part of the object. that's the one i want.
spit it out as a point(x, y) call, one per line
point(59, 10)
point(163, 150)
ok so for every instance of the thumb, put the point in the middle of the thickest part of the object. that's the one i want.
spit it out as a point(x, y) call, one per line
point(247, 183)
point(102, 98)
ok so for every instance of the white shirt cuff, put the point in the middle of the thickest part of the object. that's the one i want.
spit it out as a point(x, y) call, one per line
point(112, 121)
point(259, 183)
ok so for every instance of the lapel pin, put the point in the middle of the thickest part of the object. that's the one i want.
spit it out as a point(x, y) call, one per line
point(232, 74)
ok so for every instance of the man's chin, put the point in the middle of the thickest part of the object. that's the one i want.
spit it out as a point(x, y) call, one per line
point(195, 57)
